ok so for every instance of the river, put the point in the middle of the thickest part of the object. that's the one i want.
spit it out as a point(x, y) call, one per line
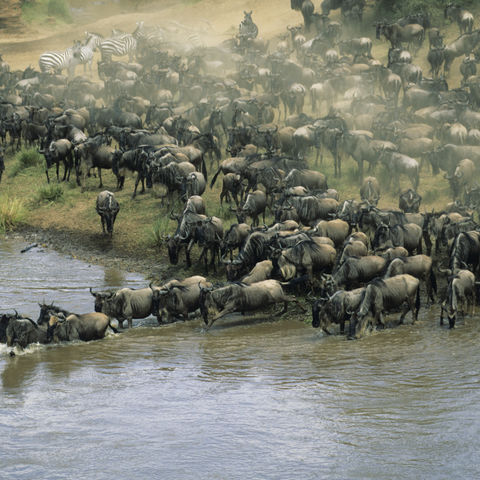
point(250, 399)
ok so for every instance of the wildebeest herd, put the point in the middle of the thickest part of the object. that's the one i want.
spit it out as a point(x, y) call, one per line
point(172, 114)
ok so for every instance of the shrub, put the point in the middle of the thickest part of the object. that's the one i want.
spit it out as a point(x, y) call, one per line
point(12, 212)
point(160, 228)
point(25, 158)
point(50, 193)
point(59, 8)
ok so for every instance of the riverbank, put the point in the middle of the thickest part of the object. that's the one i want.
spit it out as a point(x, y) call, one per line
point(70, 223)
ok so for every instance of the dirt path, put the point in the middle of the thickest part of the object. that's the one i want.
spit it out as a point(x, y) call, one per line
point(211, 22)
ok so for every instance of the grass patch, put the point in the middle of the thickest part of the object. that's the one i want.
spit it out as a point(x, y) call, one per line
point(25, 158)
point(50, 193)
point(39, 11)
point(160, 229)
point(12, 212)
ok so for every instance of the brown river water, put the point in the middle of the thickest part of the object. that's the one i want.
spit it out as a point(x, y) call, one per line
point(254, 398)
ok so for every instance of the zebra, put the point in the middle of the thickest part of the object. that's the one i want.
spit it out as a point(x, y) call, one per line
point(121, 45)
point(247, 28)
point(55, 62)
point(85, 55)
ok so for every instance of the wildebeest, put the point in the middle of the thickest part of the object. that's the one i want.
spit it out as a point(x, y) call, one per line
point(461, 291)
point(232, 187)
point(178, 297)
point(396, 34)
point(337, 230)
point(235, 237)
point(336, 308)
point(253, 207)
point(383, 296)
point(356, 271)
point(85, 327)
point(463, 45)
point(107, 207)
point(370, 191)
point(463, 178)
point(261, 271)
point(465, 251)
point(124, 304)
point(310, 179)
point(435, 58)
point(408, 236)
point(59, 151)
point(419, 266)
point(236, 297)
point(2, 163)
point(458, 14)
point(400, 164)
point(311, 209)
point(409, 201)
point(21, 331)
point(193, 184)
point(307, 256)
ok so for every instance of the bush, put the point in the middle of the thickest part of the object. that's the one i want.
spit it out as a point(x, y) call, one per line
point(26, 158)
point(393, 9)
point(59, 8)
point(160, 229)
point(12, 212)
point(50, 193)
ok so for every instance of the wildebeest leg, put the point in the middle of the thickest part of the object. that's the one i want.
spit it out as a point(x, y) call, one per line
point(187, 253)
point(46, 173)
point(103, 224)
point(137, 180)
point(360, 327)
point(287, 299)
point(100, 177)
point(57, 170)
point(225, 311)
point(405, 310)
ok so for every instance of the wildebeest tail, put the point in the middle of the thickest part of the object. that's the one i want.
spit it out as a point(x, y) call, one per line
point(433, 280)
point(295, 281)
point(204, 169)
point(417, 302)
point(214, 177)
point(113, 328)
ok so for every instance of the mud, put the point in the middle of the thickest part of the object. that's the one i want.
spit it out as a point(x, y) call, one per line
point(98, 251)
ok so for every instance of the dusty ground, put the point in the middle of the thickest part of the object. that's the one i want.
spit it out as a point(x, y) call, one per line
point(212, 21)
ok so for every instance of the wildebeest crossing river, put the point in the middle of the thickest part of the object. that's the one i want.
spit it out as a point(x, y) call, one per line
point(251, 398)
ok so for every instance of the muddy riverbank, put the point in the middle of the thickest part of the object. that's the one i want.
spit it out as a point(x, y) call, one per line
point(99, 250)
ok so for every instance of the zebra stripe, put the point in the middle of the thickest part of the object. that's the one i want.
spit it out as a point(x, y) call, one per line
point(120, 46)
point(51, 62)
point(85, 54)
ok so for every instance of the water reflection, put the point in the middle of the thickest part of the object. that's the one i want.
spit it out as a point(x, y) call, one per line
point(248, 399)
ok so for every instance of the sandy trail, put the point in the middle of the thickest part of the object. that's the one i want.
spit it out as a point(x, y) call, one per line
point(211, 21)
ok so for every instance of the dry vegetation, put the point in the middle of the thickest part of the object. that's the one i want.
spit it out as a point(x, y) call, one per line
point(142, 222)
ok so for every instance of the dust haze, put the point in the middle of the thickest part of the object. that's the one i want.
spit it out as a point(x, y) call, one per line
point(185, 25)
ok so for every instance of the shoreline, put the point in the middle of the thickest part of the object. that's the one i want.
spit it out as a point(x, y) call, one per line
point(64, 242)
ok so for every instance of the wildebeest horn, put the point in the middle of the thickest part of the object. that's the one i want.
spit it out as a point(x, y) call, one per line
point(92, 292)
point(445, 270)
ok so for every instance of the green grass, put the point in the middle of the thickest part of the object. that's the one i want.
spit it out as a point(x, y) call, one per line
point(53, 192)
point(12, 212)
point(24, 159)
point(161, 227)
point(38, 11)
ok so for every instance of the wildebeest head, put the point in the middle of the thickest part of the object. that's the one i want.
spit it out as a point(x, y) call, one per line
point(173, 246)
point(318, 309)
point(206, 301)
point(100, 299)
